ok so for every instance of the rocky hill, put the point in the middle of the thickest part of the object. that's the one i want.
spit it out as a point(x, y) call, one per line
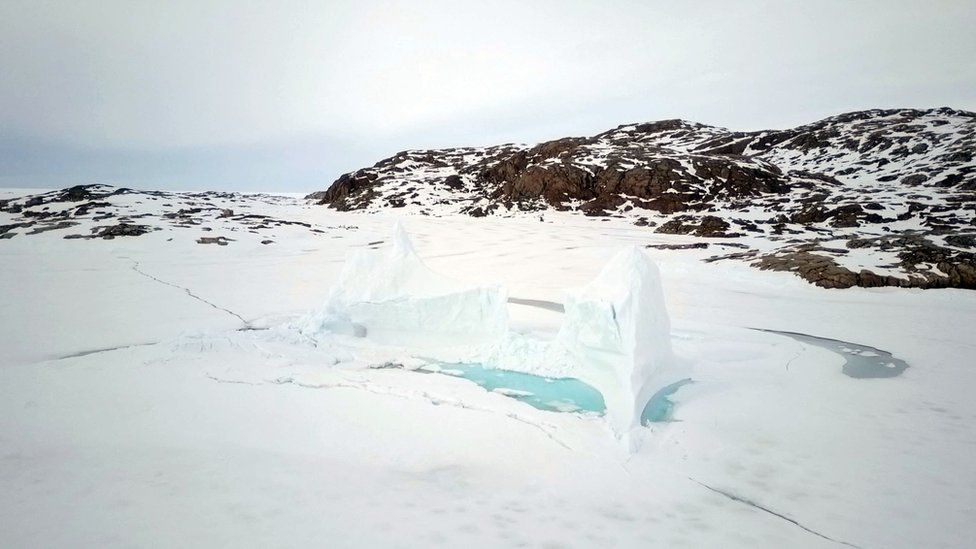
point(103, 212)
point(869, 198)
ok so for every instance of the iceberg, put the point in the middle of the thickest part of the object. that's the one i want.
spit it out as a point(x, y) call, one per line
point(615, 335)
point(389, 296)
point(617, 329)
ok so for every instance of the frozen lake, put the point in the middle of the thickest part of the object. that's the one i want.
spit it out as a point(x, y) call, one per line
point(860, 361)
point(133, 412)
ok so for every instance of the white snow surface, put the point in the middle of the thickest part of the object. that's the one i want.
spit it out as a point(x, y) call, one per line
point(137, 409)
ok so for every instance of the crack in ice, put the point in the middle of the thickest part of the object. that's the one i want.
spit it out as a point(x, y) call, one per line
point(389, 391)
point(135, 267)
point(769, 511)
point(105, 350)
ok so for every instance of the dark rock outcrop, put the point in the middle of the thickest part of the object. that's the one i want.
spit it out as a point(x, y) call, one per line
point(218, 240)
point(707, 226)
point(123, 229)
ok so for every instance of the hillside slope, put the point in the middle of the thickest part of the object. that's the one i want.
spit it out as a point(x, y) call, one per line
point(869, 198)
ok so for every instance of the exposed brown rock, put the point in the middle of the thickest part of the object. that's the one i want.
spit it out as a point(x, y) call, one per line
point(218, 240)
point(706, 226)
point(122, 229)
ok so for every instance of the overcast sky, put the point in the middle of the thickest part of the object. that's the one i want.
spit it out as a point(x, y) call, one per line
point(287, 95)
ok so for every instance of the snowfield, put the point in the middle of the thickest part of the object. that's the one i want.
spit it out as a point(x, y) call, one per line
point(153, 392)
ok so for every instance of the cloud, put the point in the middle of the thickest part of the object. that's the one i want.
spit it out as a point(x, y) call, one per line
point(180, 78)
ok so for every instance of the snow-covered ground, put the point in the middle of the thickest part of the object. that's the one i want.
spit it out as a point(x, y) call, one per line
point(135, 411)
